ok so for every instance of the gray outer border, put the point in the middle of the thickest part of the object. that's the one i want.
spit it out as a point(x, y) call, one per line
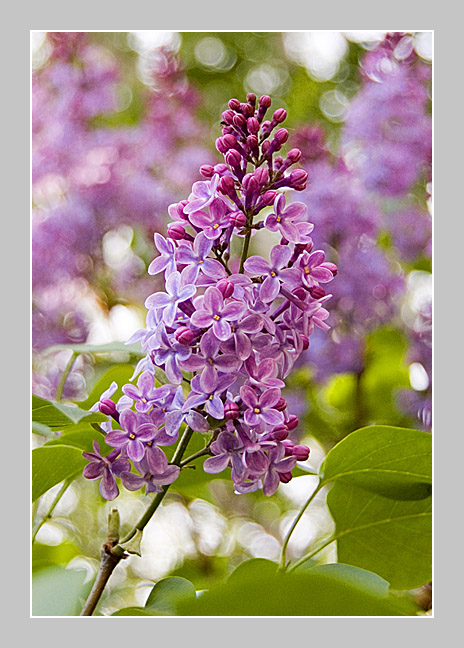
point(238, 16)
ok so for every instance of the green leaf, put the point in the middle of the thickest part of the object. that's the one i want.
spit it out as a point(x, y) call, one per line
point(80, 436)
point(393, 462)
point(392, 538)
point(44, 556)
point(312, 593)
point(58, 416)
point(133, 611)
point(361, 578)
point(120, 374)
point(167, 593)
point(52, 464)
point(57, 591)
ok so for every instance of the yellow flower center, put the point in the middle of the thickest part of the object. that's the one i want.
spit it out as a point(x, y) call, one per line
point(216, 317)
point(215, 226)
point(306, 270)
point(131, 436)
point(200, 261)
point(256, 410)
point(278, 219)
point(211, 396)
point(273, 274)
point(210, 360)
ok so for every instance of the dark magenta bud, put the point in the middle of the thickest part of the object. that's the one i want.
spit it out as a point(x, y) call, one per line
point(220, 145)
point(298, 179)
point(228, 116)
point(231, 411)
point(300, 293)
point(305, 341)
point(294, 155)
point(229, 141)
point(246, 109)
point(237, 219)
point(317, 292)
point(265, 101)
point(184, 335)
point(207, 171)
point(281, 135)
point(288, 445)
point(251, 98)
point(280, 115)
point(262, 175)
point(226, 288)
point(285, 477)
point(265, 146)
point(233, 158)
point(301, 452)
point(234, 104)
point(269, 197)
point(227, 185)
point(280, 432)
point(252, 125)
point(292, 422)
point(252, 142)
point(176, 231)
point(107, 407)
point(281, 404)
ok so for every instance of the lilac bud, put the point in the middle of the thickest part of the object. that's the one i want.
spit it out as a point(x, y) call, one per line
point(292, 422)
point(226, 185)
point(107, 407)
point(280, 115)
point(266, 128)
point(231, 411)
point(265, 101)
point(239, 120)
point(207, 171)
point(233, 158)
point(252, 125)
point(298, 179)
point(176, 231)
point(237, 219)
point(294, 155)
point(330, 266)
point(184, 335)
point(281, 136)
point(251, 98)
point(246, 109)
point(252, 142)
point(305, 341)
point(229, 141)
point(288, 445)
point(285, 477)
point(281, 404)
point(228, 116)
point(269, 197)
point(265, 147)
point(280, 432)
point(317, 292)
point(226, 288)
point(234, 104)
point(301, 452)
point(262, 175)
point(300, 293)
point(221, 147)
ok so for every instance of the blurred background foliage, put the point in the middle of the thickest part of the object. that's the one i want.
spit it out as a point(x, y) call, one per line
point(204, 530)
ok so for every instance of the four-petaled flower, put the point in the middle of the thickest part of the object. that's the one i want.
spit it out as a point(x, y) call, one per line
point(105, 468)
point(289, 221)
point(151, 480)
point(131, 437)
point(177, 292)
point(275, 271)
point(167, 260)
point(213, 223)
point(203, 193)
point(260, 409)
point(196, 259)
point(169, 353)
point(217, 314)
point(278, 464)
point(312, 270)
point(210, 361)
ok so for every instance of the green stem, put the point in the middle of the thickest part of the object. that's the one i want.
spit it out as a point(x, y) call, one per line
point(48, 515)
point(283, 560)
point(325, 544)
point(64, 376)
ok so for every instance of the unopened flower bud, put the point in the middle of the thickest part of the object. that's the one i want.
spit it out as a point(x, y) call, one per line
point(281, 136)
point(176, 231)
point(107, 407)
point(251, 98)
point(301, 452)
point(298, 179)
point(280, 115)
point(280, 432)
point(252, 142)
point(207, 171)
point(281, 404)
point(252, 125)
point(220, 145)
point(294, 155)
point(330, 266)
point(285, 477)
point(300, 293)
point(184, 335)
point(239, 120)
point(229, 141)
point(292, 422)
point(234, 104)
point(237, 219)
point(228, 116)
point(262, 175)
point(288, 445)
point(226, 185)
point(317, 292)
point(226, 287)
point(265, 101)
point(269, 197)
point(305, 341)
point(233, 158)
point(231, 411)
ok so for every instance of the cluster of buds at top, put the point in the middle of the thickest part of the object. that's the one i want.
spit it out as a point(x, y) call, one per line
point(229, 327)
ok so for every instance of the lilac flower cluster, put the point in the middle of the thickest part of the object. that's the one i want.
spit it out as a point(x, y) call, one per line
point(227, 327)
point(388, 130)
point(88, 180)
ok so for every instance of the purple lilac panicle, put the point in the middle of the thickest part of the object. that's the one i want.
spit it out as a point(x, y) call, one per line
point(229, 330)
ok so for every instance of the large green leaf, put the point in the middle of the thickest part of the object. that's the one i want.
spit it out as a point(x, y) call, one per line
point(167, 593)
point(393, 462)
point(392, 538)
point(258, 591)
point(52, 464)
point(80, 436)
point(57, 591)
point(120, 374)
point(44, 556)
point(58, 416)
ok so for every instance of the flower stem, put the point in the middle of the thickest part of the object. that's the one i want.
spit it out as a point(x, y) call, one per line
point(283, 564)
point(48, 515)
point(113, 553)
point(325, 544)
point(64, 376)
